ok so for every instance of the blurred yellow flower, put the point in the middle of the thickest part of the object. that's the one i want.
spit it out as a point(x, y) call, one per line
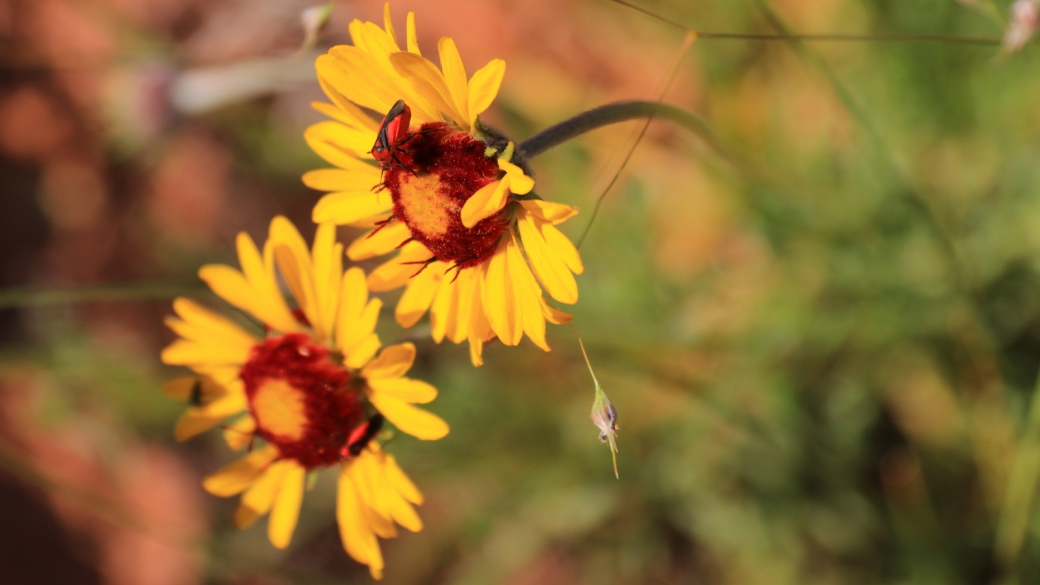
point(314, 388)
point(476, 246)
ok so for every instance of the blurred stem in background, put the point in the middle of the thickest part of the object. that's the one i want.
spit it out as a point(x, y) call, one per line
point(985, 6)
point(913, 518)
point(1021, 492)
point(37, 297)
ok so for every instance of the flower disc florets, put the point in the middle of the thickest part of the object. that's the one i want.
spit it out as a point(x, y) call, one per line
point(301, 400)
point(440, 169)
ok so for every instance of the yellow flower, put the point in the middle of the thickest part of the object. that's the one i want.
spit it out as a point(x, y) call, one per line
point(476, 245)
point(311, 387)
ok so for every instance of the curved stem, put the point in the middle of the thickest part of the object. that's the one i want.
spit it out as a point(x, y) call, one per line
point(613, 114)
point(634, 110)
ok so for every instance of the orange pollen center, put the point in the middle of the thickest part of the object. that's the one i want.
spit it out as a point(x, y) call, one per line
point(433, 178)
point(280, 409)
point(302, 400)
point(424, 201)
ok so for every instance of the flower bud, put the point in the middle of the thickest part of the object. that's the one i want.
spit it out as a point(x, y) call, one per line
point(604, 416)
point(314, 20)
point(1025, 16)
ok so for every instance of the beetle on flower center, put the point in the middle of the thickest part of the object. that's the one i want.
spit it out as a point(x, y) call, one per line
point(430, 182)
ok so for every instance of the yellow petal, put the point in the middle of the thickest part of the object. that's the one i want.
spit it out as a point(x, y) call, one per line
point(478, 326)
point(240, 433)
point(181, 388)
point(391, 503)
point(230, 285)
point(294, 261)
point(393, 362)
point(198, 390)
point(202, 324)
point(413, 39)
point(556, 213)
point(368, 80)
point(376, 42)
point(357, 315)
point(378, 242)
point(562, 247)
point(346, 70)
point(442, 309)
point(519, 183)
point(235, 478)
point(366, 322)
point(258, 499)
point(270, 306)
point(449, 312)
point(191, 353)
point(339, 114)
point(373, 222)
point(343, 111)
point(406, 389)
point(358, 34)
point(226, 376)
point(555, 316)
point(409, 419)
point(499, 299)
point(458, 324)
point(383, 526)
point(455, 76)
point(419, 295)
point(370, 483)
point(528, 296)
point(400, 481)
point(550, 268)
point(351, 206)
point(337, 149)
point(402, 512)
point(365, 351)
point(200, 419)
point(483, 87)
point(358, 539)
point(389, 24)
point(427, 81)
point(286, 509)
point(338, 180)
point(355, 292)
point(191, 332)
point(476, 351)
point(400, 270)
point(487, 201)
point(327, 256)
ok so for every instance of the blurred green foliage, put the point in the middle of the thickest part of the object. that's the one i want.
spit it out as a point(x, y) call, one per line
point(828, 380)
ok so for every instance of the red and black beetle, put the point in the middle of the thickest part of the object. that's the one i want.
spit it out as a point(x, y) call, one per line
point(360, 437)
point(393, 133)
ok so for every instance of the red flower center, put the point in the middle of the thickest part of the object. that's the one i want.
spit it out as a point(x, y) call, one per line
point(439, 170)
point(301, 400)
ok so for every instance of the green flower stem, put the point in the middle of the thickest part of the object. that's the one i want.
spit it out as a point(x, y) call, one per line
point(613, 114)
point(38, 297)
point(637, 110)
point(1017, 507)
